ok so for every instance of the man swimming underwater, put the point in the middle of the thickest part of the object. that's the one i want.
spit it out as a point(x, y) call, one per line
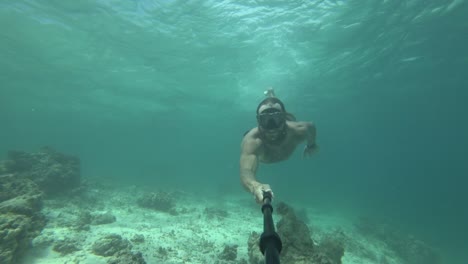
point(273, 140)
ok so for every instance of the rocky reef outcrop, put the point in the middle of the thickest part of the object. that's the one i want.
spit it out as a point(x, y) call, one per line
point(118, 249)
point(158, 201)
point(54, 172)
point(20, 216)
point(25, 178)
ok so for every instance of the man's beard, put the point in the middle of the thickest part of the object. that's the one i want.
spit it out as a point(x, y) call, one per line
point(279, 138)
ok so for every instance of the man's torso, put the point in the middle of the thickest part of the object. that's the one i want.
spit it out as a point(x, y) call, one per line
point(271, 153)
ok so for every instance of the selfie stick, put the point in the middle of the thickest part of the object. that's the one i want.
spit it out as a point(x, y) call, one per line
point(270, 242)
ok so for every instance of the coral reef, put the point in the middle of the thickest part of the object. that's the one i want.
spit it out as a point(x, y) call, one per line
point(54, 172)
point(138, 239)
point(163, 253)
point(255, 256)
point(109, 245)
point(298, 246)
point(127, 257)
point(331, 249)
point(229, 254)
point(25, 178)
point(66, 246)
point(20, 216)
point(102, 218)
point(43, 240)
point(159, 201)
point(118, 248)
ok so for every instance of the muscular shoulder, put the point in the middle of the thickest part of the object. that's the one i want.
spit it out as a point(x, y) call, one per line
point(300, 128)
point(251, 142)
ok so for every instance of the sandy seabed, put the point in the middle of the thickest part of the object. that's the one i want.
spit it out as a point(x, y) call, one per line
point(197, 232)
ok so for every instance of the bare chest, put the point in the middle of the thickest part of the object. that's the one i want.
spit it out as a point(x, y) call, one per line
point(276, 153)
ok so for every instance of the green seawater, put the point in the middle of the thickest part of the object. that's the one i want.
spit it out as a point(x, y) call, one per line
point(159, 93)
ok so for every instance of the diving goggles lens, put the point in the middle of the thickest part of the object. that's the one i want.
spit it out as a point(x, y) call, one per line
point(271, 120)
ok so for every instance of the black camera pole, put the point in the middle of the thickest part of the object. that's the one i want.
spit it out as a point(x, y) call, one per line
point(270, 241)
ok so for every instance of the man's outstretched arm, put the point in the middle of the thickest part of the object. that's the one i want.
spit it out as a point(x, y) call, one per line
point(248, 169)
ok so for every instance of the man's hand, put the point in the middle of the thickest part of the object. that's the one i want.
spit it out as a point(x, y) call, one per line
point(309, 150)
point(258, 192)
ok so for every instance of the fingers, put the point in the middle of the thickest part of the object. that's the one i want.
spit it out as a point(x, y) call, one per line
point(259, 199)
point(272, 194)
point(260, 190)
point(258, 195)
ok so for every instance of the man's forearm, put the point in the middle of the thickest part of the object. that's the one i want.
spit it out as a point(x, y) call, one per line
point(248, 179)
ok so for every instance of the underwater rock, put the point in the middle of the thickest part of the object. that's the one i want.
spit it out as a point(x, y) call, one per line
point(45, 239)
point(163, 253)
point(298, 246)
point(138, 239)
point(330, 250)
point(228, 255)
point(13, 237)
point(159, 201)
point(110, 245)
point(12, 186)
point(102, 218)
point(127, 257)
point(53, 172)
point(118, 249)
point(255, 255)
point(20, 217)
point(77, 220)
point(66, 246)
point(83, 221)
point(26, 205)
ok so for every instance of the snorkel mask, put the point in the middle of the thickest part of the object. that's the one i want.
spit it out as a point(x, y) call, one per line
point(271, 119)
